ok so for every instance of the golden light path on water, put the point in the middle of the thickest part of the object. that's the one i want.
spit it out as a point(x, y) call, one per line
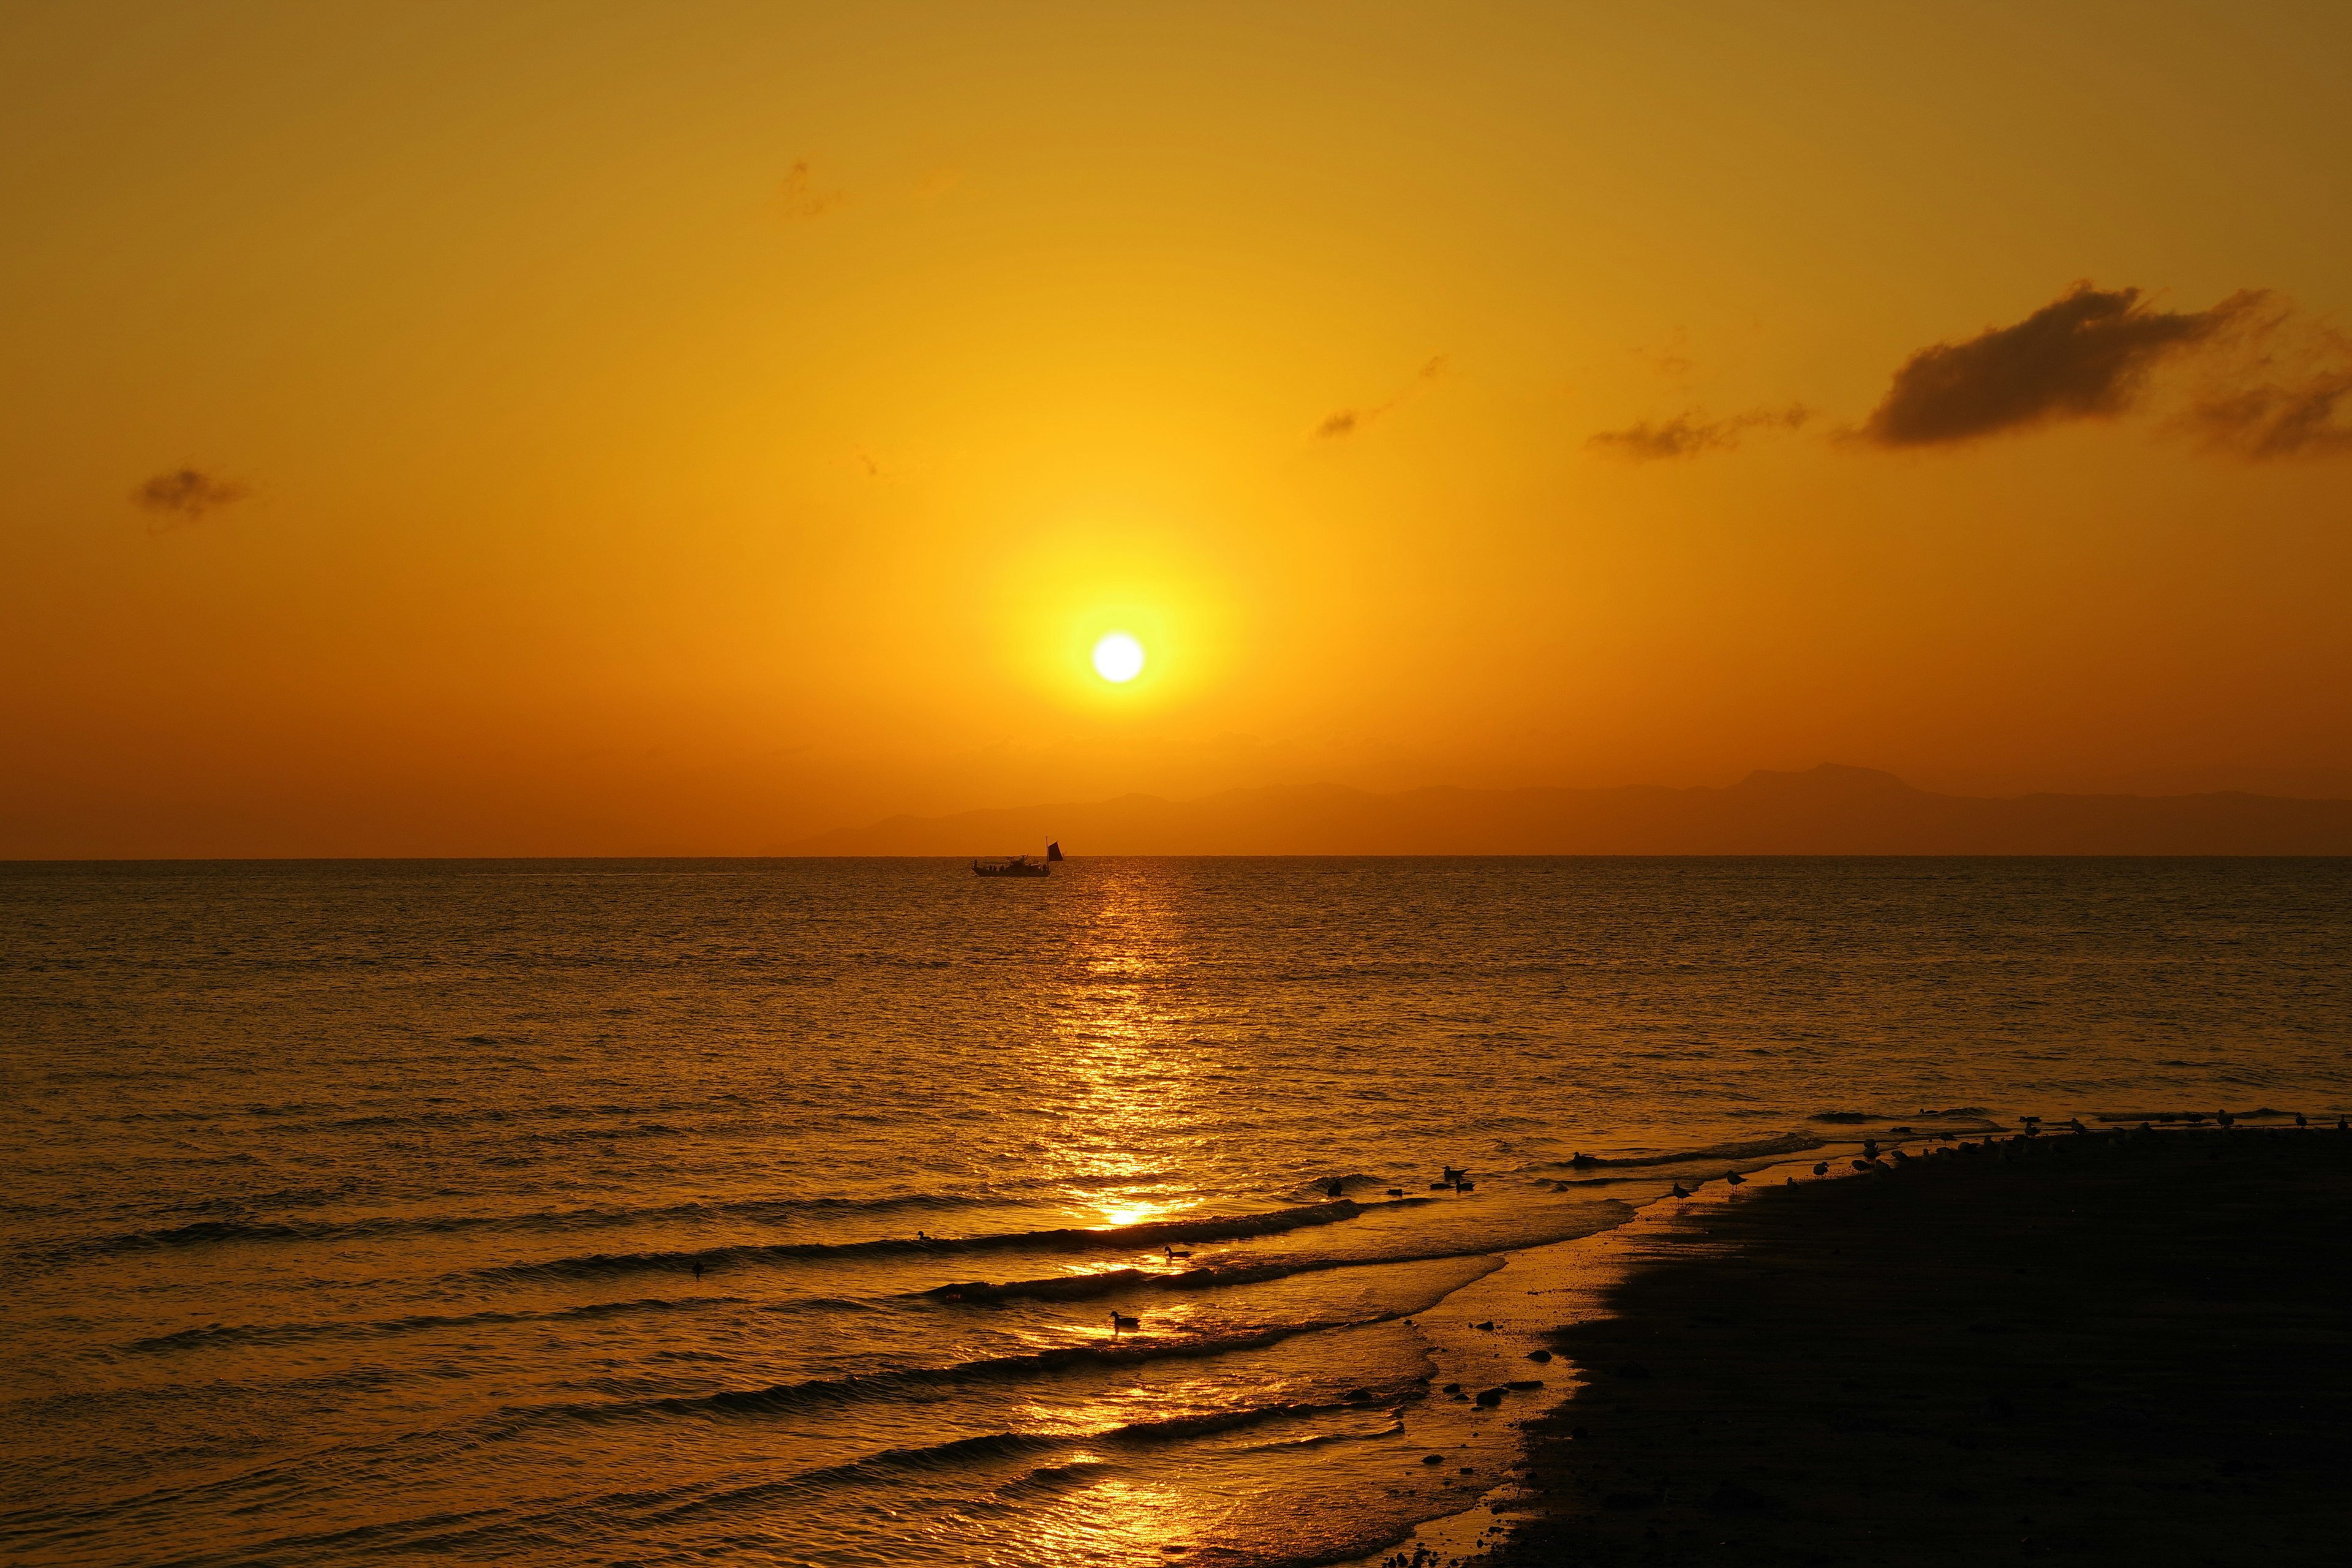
point(1127, 1105)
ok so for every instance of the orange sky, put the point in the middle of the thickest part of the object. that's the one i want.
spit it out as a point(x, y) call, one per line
point(685, 428)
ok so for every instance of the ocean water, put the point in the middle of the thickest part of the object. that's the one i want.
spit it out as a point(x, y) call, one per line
point(353, 1212)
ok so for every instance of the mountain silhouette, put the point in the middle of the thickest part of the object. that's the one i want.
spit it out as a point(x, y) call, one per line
point(1827, 810)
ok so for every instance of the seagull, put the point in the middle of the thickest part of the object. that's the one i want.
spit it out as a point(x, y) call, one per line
point(1822, 1169)
point(1117, 1321)
point(1735, 1178)
point(2299, 1122)
point(1454, 1173)
point(1680, 1191)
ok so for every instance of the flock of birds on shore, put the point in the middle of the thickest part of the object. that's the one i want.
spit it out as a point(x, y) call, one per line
point(1455, 1178)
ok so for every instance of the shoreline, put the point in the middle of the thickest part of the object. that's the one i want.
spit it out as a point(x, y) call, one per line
point(2101, 1346)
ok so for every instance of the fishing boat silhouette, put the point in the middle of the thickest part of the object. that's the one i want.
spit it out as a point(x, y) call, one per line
point(1019, 864)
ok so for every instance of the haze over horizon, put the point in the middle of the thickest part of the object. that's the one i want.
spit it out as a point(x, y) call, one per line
point(1827, 810)
point(587, 430)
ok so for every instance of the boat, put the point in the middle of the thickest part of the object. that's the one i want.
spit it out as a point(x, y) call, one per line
point(1019, 864)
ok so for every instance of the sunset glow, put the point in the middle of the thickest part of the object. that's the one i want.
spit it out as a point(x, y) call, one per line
point(1525, 398)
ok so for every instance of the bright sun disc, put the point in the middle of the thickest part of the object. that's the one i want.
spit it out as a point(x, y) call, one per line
point(1118, 657)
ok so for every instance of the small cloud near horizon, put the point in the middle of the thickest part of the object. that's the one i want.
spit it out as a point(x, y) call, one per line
point(1689, 434)
point(183, 496)
point(798, 198)
point(1346, 422)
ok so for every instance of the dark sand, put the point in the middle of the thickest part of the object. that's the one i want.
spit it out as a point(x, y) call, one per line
point(2111, 1348)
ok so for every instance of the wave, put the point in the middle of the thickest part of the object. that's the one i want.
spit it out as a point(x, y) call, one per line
point(224, 1334)
point(825, 1393)
point(1208, 1277)
point(1143, 1238)
point(1743, 1149)
point(235, 1231)
point(963, 1453)
point(1849, 1118)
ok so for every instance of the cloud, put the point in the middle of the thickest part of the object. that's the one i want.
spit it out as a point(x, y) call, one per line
point(798, 198)
point(2277, 385)
point(2296, 419)
point(2086, 356)
point(181, 497)
point(1690, 434)
point(1346, 422)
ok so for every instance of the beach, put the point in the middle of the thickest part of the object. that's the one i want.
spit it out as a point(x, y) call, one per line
point(2111, 1346)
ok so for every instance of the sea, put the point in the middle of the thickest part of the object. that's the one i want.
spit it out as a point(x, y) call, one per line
point(868, 1211)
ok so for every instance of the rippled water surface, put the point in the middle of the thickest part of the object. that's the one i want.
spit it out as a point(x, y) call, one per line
point(354, 1212)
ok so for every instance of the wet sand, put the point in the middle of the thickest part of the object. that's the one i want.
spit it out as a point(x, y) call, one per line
point(2108, 1348)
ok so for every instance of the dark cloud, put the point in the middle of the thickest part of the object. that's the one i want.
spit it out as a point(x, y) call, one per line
point(183, 496)
point(1347, 421)
point(1688, 435)
point(2085, 356)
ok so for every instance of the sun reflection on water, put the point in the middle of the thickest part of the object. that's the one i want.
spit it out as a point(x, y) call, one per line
point(1113, 1070)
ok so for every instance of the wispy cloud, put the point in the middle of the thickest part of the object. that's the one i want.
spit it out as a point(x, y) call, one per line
point(2294, 419)
point(2086, 356)
point(800, 199)
point(183, 496)
point(2278, 385)
point(1689, 434)
point(1345, 422)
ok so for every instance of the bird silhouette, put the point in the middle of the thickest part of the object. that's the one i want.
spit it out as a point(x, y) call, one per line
point(1822, 1169)
point(1680, 1191)
point(1735, 1178)
point(1119, 1322)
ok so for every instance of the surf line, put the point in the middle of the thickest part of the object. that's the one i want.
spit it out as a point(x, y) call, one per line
point(1495, 1372)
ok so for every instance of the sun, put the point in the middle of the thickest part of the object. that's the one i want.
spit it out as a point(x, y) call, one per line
point(1119, 658)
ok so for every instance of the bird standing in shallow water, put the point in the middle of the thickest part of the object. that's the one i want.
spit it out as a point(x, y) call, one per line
point(1681, 1191)
point(1735, 1178)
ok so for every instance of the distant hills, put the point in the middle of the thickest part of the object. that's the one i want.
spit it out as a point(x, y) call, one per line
point(1830, 810)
